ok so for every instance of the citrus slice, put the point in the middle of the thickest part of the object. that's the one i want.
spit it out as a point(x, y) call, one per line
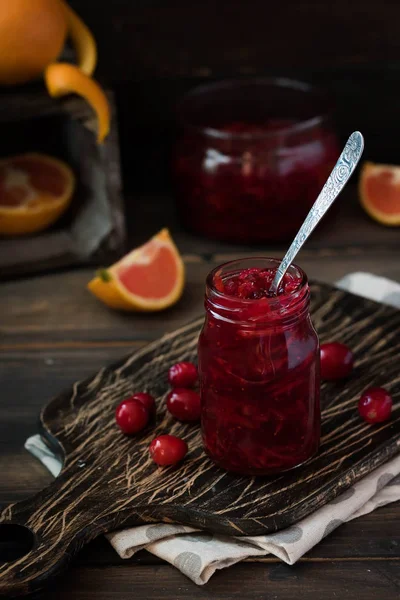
point(149, 278)
point(379, 189)
point(34, 191)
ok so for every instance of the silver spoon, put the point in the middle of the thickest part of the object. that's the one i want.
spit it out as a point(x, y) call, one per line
point(334, 184)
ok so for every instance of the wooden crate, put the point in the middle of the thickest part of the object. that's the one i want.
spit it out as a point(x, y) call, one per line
point(92, 231)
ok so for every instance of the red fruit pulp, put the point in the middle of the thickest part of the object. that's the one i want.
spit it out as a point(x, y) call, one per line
point(255, 283)
point(147, 400)
point(184, 404)
point(167, 450)
point(375, 405)
point(259, 372)
point(336, 361)
point(183, 374)
point(236, 185)
point(131, 416)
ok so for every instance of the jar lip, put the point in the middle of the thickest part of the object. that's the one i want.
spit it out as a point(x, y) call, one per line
point(278, 82)
point(276, 306)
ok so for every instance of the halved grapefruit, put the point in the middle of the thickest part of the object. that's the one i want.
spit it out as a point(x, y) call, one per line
point(35, 190)
point(149, 278)
point(379, 189)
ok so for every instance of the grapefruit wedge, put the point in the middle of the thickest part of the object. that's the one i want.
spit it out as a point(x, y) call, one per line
point(150, 278)
point(379, 190)
point(35, 190)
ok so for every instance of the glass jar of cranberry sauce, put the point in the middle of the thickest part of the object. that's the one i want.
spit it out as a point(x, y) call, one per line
point(259, 369)
point(252, 158)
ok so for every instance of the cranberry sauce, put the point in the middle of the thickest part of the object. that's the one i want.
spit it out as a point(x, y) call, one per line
point(259, 369)
point(252, 182)
point(255, 283)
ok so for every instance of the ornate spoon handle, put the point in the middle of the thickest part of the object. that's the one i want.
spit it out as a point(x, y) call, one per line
point(335, 183)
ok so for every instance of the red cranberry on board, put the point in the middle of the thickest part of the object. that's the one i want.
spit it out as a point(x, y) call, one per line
point(375, 405)
point(131, 416)
point(147, 400)
point(336, 361)
point(184, 404)
point(167, 450)
point(183, 374)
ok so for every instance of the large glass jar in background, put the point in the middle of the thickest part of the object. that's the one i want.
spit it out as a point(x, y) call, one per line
point(252, 159)
point(259, 374)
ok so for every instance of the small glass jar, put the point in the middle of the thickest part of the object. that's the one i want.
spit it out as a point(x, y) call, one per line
point(253, 156)
point(259, 376)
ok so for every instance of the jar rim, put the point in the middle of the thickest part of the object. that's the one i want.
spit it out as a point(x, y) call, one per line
point(301, 125)
point(277, 308)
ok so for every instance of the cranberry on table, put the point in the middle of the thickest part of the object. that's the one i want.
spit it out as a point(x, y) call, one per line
point(184, 404)
point(336, 361)
point(375, 405)
point(147, 400)
point(167, 450)
point(183, 374)
point(131, 416)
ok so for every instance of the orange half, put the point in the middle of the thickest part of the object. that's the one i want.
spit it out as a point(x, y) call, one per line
point(35, 190)
point(379, 189)
point(150, 278)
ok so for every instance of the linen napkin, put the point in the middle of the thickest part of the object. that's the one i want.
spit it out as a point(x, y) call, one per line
point(198, 554)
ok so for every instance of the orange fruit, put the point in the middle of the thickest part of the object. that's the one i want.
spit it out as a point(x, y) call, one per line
point(149, 278)
point(32, 35)
point(63, 78)
point(379, 189)
point(34, 191)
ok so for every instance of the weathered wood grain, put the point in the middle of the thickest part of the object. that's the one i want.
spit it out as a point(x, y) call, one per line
point(108, 480)
point(30, 309)
point(328, 580)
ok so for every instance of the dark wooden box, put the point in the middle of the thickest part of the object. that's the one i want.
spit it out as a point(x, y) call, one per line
point(92, 231)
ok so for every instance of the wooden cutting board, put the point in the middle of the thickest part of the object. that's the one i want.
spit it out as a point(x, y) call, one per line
point(108, 480)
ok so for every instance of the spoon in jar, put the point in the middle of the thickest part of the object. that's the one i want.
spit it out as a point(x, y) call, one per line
point(336, 181)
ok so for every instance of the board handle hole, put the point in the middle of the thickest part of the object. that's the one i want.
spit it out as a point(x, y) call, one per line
point(15, 541)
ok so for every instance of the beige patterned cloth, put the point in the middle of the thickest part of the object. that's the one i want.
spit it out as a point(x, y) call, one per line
point(199, 554)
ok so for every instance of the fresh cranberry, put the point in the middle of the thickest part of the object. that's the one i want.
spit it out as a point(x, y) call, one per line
point(147, 400)
point(336, 361)
point(167, 450)
point(375, 405)
point(131, 416)
point(184, 404)
point(183, 374)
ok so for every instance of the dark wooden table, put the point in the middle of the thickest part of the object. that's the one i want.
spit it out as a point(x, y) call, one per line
point(53, 332)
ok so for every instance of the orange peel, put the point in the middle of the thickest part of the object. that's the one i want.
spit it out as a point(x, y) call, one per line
point(63, 78)
point(82, 40)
